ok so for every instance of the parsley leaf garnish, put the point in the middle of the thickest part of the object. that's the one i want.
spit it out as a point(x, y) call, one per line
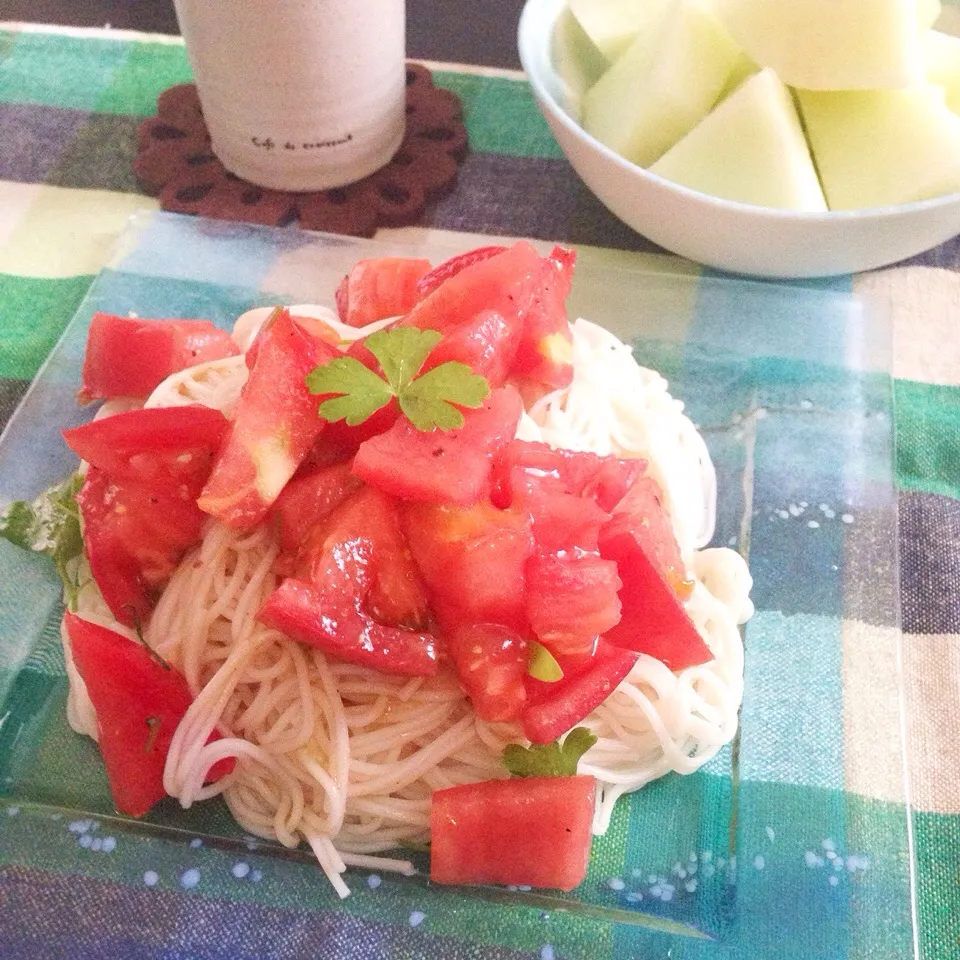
point(428, 401)
point(49, 524)
point(549, 759)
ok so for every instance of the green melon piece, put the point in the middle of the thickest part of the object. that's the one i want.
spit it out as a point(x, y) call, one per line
point(873, 148)
point(928, 13)
point(612, 24)
point(830, 44)
point(751, 148)
point(663, 86)
point(942, 56)
point(579, 64)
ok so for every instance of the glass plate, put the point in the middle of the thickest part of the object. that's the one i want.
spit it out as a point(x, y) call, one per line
point(798, 832)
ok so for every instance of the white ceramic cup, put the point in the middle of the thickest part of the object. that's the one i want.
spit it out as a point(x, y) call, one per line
point(299, 94)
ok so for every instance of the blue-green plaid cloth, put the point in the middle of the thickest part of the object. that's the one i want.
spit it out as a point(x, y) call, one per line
point(800, 841)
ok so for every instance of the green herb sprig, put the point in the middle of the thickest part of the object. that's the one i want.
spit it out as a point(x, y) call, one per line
point(429, 400)
point(549, 759)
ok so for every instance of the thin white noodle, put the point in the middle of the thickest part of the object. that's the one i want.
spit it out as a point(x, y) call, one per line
point(347, 758)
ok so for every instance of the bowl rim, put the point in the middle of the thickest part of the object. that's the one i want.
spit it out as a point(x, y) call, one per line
point(531, 37)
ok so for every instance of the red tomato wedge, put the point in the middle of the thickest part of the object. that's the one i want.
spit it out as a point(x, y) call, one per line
point(605, 480)
point(307, 501)
point(380, 288)
point(487, 343)
point(441, 273)
point(555, 708)
point(360, 546)
point(472, 560)
point(640, 540)
point(274, 428)
point(162, 445)
point(139, 704)
point(545, 352)
point(642, 510)
point(505, 284)
point(534, 831)
point(653, 620)
point(571, 599)
point(331, 620)
point(491, 663)
point(134, 536)
point(441, 466)
point(128, 357)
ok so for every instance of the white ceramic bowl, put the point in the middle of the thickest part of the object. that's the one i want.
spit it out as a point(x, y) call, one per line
point(738, 237)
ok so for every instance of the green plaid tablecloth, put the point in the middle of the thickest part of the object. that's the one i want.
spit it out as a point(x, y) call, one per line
point(69, 104)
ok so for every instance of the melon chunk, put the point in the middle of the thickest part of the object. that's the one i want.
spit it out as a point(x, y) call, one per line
point(612, 24)
point(663, 86)
point(751, 148)
point(579, 64)
point(942, 56)
point(928, 13)
point(873, 148)
point(830, 44)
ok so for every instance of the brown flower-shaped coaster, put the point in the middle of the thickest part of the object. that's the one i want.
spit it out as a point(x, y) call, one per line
point(175, 161)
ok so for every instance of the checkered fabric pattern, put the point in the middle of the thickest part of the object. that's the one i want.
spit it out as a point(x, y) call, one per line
point(805, 841)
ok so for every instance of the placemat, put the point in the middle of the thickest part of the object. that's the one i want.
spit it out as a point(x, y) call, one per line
point(70, 103)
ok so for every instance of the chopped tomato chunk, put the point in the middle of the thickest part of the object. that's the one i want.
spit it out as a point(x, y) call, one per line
point(639, 538)
point(274, 428)
point(545, 353)
point(331, 619)
point(361, 546)
point(307, 501)
point(534, 831)
point(441, 466)
point(504, 283)
point(653, 620)
point(555, 708)
point(441, 273)
point(129, 357)
point(138, 501)
point(160, 445)
point(379, 288)
point(571, 599)
point(139, 703)
point(472, 560)
point(491, 663)
point(487, 343)
point(605, 480)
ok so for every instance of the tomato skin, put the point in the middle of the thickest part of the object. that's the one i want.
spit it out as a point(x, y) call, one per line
point(331, 620)
point(487, 343)
point(504, 283)
point(305, 502)
point(640, 539)
point(361, 548)
point(157, 445)
point(441, 466)
point(642, 511)
point(534, 831)
point(127, 688)
point(274, 428)
point(653, 619)
point(545, 353)
point(554, 708)
point(441, 273)
point(138, 499)
point(379, 288)
point(129, 357)
point(571, 599)
point(134, 537)
point(473, 561)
